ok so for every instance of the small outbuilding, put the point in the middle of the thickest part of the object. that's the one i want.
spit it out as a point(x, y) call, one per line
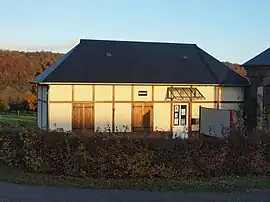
point(134, 86)
point(258, 94)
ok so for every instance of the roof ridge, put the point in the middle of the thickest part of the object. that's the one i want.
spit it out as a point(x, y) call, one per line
point(133, 41)
point(206, 64)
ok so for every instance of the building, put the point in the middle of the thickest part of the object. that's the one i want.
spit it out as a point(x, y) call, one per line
point(258, 93)
point(134, 86)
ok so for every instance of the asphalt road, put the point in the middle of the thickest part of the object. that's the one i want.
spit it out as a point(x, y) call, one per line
point(18, 193)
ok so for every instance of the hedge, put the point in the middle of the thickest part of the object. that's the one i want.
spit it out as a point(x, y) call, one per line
point(72, 155)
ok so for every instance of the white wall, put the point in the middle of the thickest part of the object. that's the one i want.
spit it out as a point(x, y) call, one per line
point(123, 116)
point(123, 93)
point(160, 93)
point(103, 111)
point(103, 116)
point(162, 116)
point(209, 92)
point(83, 92)
point(103, 92)
point(60, 92)
point(232, 94)
point(60, 116)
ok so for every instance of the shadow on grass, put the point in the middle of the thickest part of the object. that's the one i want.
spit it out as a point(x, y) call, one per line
point(18, 176)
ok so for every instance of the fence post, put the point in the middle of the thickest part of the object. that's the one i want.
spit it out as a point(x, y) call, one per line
point(200, 116)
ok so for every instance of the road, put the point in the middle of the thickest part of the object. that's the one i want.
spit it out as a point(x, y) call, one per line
point(18, 193)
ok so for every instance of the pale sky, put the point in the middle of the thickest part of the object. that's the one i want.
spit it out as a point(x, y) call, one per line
point(230, 30)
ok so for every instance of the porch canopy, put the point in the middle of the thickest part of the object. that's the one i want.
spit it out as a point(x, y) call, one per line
point(184, 93)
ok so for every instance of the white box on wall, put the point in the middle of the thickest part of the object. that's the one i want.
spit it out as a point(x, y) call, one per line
point(142, 93)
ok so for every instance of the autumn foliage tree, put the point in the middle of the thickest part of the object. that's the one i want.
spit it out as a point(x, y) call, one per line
point(17, 69)
point(31, 98)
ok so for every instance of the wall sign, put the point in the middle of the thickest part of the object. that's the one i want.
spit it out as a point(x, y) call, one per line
point(142, 93)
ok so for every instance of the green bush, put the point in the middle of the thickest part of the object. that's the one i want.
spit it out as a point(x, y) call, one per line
point(67, 154)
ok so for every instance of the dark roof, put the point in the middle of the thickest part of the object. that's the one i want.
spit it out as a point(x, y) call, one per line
point(263, 59)
point(103, 61)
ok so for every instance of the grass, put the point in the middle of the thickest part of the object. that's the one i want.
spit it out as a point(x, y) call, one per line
point(15, 175)
point(26, 119)
point(18, 118)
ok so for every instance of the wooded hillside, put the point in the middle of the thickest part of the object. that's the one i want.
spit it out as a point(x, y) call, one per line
point(18, 68)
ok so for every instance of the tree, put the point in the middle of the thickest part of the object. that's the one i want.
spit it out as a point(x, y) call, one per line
point(17, 69)
point(31, 99)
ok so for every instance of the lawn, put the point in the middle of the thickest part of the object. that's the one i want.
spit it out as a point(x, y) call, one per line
point(12, 118)
point(18, 176)
point(26, 119)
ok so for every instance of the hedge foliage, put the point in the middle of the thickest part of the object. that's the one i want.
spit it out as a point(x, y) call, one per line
point(96, 157)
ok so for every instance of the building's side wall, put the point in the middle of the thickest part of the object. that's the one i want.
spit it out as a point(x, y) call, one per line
point(39, 105)
point(44, 119)
point(42, 107)
point(113, 104)
point(231, 97)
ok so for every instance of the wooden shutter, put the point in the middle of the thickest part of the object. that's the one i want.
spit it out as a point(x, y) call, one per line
point(89, 117)
point(77, 116)
point(148, 117)
point(83, 116)
point(137, 117)
point(142, 117)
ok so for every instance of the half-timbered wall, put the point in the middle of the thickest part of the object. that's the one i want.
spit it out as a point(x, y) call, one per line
point(113, 105)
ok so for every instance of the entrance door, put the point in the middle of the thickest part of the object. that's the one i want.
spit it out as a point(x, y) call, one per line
point(142, 117)
point(180, 120)
point(83, 116)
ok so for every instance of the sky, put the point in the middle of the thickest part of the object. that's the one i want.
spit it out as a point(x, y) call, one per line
point(230, 30)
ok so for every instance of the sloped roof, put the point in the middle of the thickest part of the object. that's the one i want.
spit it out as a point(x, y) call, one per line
point(103, 61)
point(263, 59)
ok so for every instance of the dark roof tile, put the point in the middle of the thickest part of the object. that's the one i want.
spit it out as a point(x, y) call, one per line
point(103, 61)
point(263, 59)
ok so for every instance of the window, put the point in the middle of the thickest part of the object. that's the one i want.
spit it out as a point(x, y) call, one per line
point(183, 114)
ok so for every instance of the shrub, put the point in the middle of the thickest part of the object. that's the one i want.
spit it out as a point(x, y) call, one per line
point(118, 157)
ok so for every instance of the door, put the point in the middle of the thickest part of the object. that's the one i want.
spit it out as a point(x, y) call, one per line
point(83, 116)
point(180, 120)
point(142, 117)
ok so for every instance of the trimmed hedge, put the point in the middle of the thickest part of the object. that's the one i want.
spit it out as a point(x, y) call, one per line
point(125, 158)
